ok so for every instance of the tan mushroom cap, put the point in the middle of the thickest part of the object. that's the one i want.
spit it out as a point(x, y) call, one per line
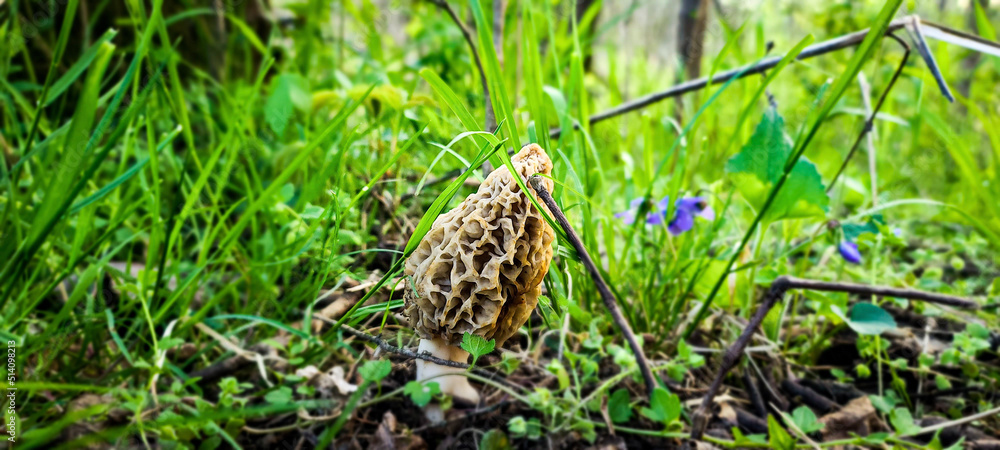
point(480, 267)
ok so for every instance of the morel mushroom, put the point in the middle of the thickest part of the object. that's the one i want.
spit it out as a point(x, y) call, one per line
point(479, 270)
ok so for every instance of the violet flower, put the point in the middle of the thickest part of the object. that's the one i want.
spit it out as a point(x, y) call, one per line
point(685, 210)
point(850, 252)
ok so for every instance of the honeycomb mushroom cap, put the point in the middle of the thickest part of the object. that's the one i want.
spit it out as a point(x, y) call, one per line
point(480, 267)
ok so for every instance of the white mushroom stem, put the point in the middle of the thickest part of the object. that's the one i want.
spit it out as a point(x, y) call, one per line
point(456, 386)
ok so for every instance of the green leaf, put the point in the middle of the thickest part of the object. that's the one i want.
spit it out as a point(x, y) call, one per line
point(978, 331)
point(509, 363)
point(779, 438)
point(805, 420)
point(477, 345)
point(289, 91)
point(619, 409)
point(279, 396)
point(517, 426)
point(556, 368)
point(875, 439)
point(761, 163)
point(375, 371)
point(942, 382)
point(421, 393)
point(747, 441)
point(692, 359)
point(587, 430)
point(902, 421)
point(870, 319)
point(311, 212)
point(170, 342)
point(854, 230)
point(983, 25)
point(494, 440)
point(664, 407)
point(287, 192)
point(211, 443)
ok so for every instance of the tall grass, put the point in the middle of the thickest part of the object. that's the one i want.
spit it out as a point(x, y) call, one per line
point(150, 193)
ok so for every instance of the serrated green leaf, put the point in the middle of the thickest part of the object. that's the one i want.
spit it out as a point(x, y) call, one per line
point(477, 346)
point(760, 164)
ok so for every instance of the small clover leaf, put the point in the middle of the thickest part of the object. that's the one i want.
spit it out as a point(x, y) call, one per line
point(664, 407)
point(375, 371)
point(421, 393)
point(805, 420)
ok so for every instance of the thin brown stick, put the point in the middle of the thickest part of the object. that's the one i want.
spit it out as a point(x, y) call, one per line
point(385, 346)
point(838, 43)
point(881, 291)
point(491, 121)
point(869, 124)
point(778, 288)
point(602, 287)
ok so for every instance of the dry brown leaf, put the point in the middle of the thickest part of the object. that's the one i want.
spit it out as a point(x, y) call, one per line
point(856, 417)
point(388, 437)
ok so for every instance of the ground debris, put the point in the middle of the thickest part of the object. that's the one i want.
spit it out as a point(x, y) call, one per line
point(857, 417)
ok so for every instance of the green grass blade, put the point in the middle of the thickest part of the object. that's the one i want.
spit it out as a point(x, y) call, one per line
point(77, 69)
point(128, 174)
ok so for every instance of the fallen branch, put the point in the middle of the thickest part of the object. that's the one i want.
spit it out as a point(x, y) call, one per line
point(602, 286)
point(778, 288)
point(913, 24)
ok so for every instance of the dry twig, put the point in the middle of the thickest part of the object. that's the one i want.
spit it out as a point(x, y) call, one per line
point(778, 288)
point(602, 286)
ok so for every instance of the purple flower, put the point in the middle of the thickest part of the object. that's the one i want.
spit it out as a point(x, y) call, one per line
point(850, 252)
point(628, 216)
point(685, 210)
